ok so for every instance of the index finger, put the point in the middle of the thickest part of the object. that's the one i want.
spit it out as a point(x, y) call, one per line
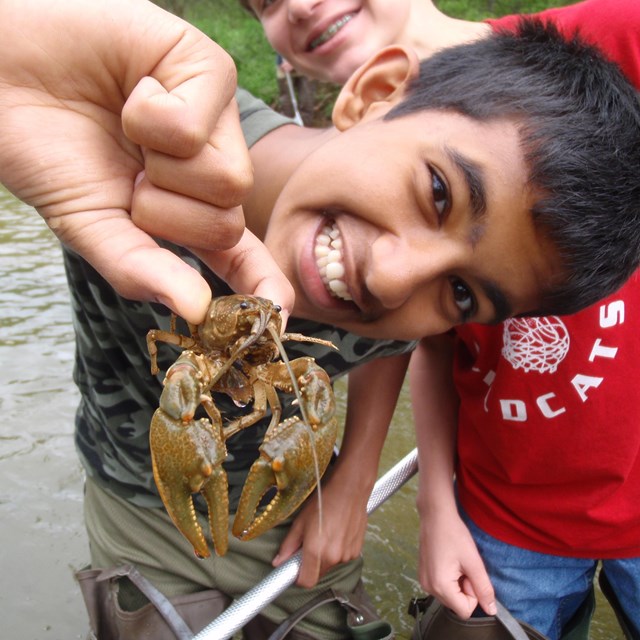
point(249, 267)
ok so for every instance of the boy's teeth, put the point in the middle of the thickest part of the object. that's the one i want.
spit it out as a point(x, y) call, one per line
point(330, 32)
point(328, 252)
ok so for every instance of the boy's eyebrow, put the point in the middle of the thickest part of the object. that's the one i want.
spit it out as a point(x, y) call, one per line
point(473, 176)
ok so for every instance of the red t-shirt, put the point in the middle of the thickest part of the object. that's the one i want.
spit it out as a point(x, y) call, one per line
point(549, 427)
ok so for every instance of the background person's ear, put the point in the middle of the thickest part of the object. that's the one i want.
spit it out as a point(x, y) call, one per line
point(378, 84)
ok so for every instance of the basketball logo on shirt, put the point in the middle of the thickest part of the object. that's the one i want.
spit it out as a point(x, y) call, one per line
point(535, 344)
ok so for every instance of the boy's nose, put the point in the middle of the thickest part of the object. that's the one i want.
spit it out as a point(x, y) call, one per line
point(399, 271)
point(302, 9)
point(394, 287)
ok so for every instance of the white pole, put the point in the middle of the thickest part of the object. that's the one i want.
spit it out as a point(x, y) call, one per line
point(294, 100)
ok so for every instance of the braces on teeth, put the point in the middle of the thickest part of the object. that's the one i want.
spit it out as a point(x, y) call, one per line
point(331, 31)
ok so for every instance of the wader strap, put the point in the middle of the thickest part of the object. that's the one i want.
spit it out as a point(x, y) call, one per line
point(510, 623)
point(359, 617)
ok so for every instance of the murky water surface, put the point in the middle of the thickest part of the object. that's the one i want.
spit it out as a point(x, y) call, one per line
point(43, 539)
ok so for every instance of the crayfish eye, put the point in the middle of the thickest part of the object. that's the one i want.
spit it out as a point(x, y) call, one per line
point(278, 308)
point(244, 304)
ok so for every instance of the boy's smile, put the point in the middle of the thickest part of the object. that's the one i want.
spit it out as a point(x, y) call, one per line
point(426, 224)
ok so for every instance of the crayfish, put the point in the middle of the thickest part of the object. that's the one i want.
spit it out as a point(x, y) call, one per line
point(234, 351)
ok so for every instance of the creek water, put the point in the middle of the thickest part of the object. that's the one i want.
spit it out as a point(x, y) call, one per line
point(41, 525)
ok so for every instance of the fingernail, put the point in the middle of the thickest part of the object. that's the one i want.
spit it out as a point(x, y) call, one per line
point(492, 610)
point(139, 179)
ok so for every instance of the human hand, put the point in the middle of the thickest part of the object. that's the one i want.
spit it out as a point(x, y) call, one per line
point(450, 567)
point(97, 96)
point(336, 538)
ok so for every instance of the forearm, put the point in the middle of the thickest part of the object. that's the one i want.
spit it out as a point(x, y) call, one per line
point(449, 565)
point(373, 393)
point(435, 409)
point(272, 168)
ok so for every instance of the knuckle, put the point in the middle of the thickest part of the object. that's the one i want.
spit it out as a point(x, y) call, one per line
point(187, 138)
point(438, 587)
point(236, 182)
point(223, 233)
point(234, 227)
point(486, 592)
point(224, 63)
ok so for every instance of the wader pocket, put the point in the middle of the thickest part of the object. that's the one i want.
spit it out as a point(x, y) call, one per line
point(434, 621)
point(160, 619)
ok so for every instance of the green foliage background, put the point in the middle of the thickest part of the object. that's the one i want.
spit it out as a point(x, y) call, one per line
point(233, 28)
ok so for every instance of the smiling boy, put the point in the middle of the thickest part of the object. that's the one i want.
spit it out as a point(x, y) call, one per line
point(448, 230)
point(552, 389)
point(434, 196)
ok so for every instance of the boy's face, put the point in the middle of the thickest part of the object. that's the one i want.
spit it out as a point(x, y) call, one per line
point(427, 218)
point(328, 39)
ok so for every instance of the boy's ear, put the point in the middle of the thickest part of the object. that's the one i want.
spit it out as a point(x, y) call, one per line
point(378, 84)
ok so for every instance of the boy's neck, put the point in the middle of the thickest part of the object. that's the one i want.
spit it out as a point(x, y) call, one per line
point(275, 157)
point(430, 30)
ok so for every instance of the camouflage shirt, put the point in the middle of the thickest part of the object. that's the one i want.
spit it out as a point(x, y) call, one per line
point(118, 392)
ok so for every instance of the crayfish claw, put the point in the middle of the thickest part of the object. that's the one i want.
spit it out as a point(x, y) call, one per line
point(261, 478)
point(187, 458)
point(179, 506)
point(288, 457)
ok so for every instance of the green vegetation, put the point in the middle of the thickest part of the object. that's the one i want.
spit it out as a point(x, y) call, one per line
point(235, 30)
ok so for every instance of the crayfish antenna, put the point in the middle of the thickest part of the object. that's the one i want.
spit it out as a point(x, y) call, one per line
point(299, 337)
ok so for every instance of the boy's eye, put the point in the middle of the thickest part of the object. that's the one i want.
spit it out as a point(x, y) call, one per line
point(440, 193)
point(463, 298)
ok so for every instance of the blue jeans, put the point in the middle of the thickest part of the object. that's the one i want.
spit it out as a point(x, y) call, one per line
point(545, 590)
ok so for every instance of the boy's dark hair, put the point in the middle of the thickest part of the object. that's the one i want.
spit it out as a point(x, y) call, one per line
point(579, 123)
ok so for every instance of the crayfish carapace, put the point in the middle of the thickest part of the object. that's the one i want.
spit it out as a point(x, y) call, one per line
point(234, 351)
